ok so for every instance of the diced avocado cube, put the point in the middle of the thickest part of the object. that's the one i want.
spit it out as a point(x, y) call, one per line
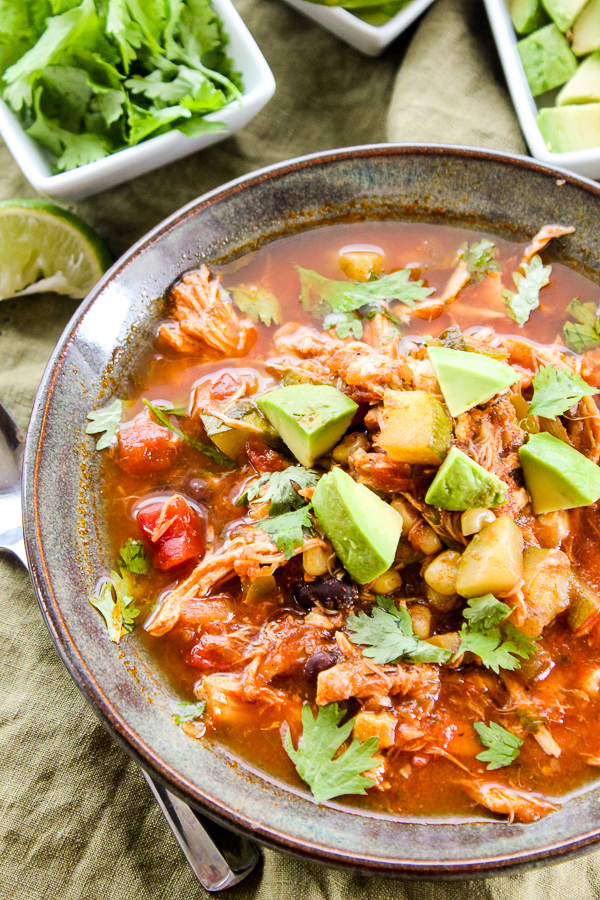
point(493, 561)
point(364, 530)
point(586, 30)
point(415, 428)
point(564, 12)
point(310, 418)
point(568, 128)
point(584, 86)
point(468, 379)
point(461, 483)
point(232, 441)
point(528, 15)
point(556, 475)
point(547, 59)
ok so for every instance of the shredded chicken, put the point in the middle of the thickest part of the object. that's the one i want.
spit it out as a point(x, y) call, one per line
point(459, 278)
point(543, 238)
point(362, 678)
point(507, 802)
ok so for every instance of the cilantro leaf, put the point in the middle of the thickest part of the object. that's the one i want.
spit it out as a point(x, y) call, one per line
point(161, 415)
point(189, 711)
point(486, 612)
point(526, 298)
point(105, 420)
point(479, 258)
point(388, 636)
point(504, 746)
point(282, 489)
point(314, 759)
point(555, 390)
point(584, 333)
point(396, 286)
point(134, 557)
point(257, 303)
point(493, 650)
point(345, 324)
point(116, 604)
point(287, 531)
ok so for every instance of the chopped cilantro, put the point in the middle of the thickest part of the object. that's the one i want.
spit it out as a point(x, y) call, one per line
point(134, 557)
point(526, 298)
point(396, 286)
point(555, 390)
point(189, 711)
point(486, 612)
point(105, 420)
point(287, 531)
point(257, 303)
point(282, 490)
point(504, 746)
point(479, 258)
point(584, 333)
point(314, 759)
point(497, 649)
point(161, 414)
point(387, 636)
point(116, 603)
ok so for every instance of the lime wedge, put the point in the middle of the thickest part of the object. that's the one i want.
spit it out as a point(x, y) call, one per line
point(46, 248)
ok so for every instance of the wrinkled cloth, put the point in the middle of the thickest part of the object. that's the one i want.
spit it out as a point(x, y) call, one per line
point(77, 820)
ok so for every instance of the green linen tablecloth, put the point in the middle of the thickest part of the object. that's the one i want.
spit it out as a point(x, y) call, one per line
point(77, 821)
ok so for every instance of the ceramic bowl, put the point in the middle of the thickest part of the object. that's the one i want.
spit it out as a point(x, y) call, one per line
point(64, 526)
point(36, 162)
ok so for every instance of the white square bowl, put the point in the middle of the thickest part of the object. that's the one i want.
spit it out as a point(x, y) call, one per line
point(584, 162)
point(369, 39)
point(258, 88)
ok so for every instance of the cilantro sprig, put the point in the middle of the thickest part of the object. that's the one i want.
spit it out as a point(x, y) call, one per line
point(188, 712)
point(105, 421)
point(162, 413)
point(479, 258)
point(584, 333)
point(282, 490)
point(314, 760)
point(287, 531)
point(115, 602)
point(529, 283)
point(387, 636)
point(486, 612)
point(133, 557)
point(258, 303)
point(504, 746)
point(555, 390)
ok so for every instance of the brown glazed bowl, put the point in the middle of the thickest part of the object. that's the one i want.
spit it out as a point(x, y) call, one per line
point(65, 532)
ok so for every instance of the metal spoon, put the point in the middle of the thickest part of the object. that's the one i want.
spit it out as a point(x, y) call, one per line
point(218, 857)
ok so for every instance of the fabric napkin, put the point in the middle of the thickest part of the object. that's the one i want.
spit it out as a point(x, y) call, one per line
point(77, 821)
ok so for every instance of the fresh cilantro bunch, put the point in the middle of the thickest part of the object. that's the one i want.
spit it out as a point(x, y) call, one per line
point(555, 390)
point(89, 79)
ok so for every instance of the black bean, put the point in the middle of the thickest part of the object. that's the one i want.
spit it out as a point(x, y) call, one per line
point(329, 593)
point(318, 662)
point(196, 488)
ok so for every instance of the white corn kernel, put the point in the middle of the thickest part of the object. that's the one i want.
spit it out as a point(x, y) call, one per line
point(409, 514)
point(473, 520)
point(441, 602)
point(421, 620)
point(441, 573)
point(315, 560)
point(423, 538)
point(387, 583)
point(348, 446)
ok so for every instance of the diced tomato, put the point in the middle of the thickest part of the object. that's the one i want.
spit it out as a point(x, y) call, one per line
point(175, 531)
point(146, 448)
point(263, 458)
point(225, 387)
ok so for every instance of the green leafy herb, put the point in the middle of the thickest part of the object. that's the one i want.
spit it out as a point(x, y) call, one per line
point(396, 286)
point(495, 648)
point(287, 531)
point(504, 746)
point(90, 78)
point(526, 298)
point(189, 711)
point(162, 414)
point(116, 603)
point(387, 636)
point(555, 390)
point(134, 557)
point(486, 612)
point(257, 303)
point(314, 759)
point(282, 489)
point(105, 420)
point(584, 333)
point(345, 324)
point(531, 721)
point(479, 258)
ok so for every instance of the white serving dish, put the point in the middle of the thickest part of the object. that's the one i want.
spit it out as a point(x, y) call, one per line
point(258, 88)
point(369, 39)
point(584, 162)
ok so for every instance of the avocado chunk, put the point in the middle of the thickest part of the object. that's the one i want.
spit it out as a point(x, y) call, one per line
point(567, 128)
point(528, 15)
point(493, 561)
point(310, 418)
point(468, 379)
point(556, 475)
point(415, 428)
point(461, 483)
point(232, 441)
point(586, 30)
point(564, 12)
point(547, 59)
point(364, 530)
point(584, 86)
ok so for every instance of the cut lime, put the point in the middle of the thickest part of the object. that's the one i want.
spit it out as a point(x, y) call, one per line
point(46, 248)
